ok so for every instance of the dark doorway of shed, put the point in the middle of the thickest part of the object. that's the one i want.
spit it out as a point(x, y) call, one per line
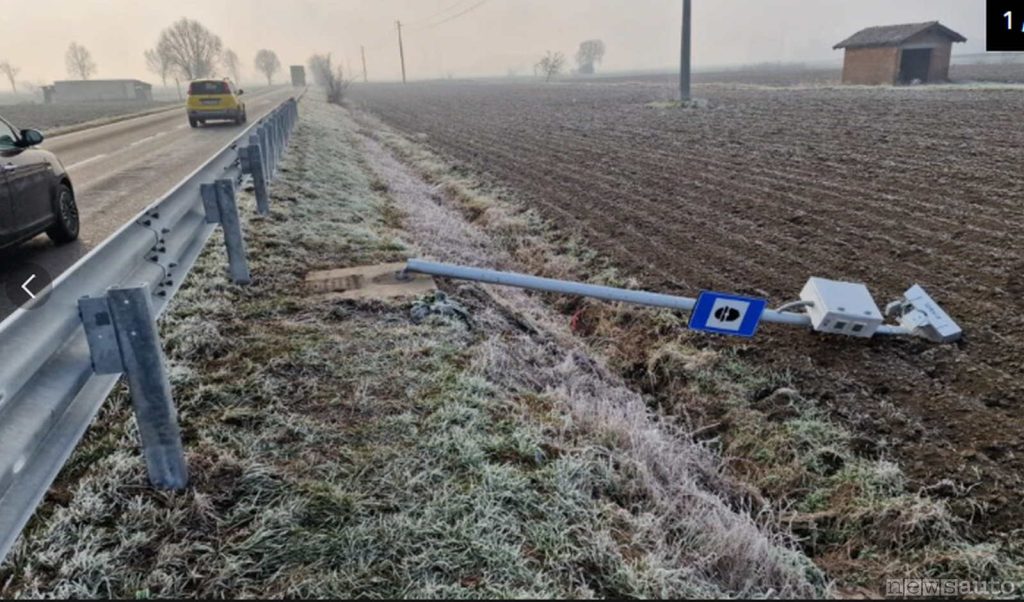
point(915, 65)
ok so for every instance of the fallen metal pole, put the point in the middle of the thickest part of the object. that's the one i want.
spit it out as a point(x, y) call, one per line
point(604, 293)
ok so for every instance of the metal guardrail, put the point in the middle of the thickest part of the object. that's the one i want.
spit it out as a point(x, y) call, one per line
point(61, 355)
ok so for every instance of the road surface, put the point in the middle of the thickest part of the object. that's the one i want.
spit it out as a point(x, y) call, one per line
point(119, 169)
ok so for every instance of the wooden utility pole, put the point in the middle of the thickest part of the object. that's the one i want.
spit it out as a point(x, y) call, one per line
point(401, 48)
point(684, 63)
point(362, 49)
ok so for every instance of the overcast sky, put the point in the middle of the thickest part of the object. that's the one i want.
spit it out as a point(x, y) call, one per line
point(492, 39)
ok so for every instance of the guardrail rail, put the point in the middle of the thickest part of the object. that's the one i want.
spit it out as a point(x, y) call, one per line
point(62, 354)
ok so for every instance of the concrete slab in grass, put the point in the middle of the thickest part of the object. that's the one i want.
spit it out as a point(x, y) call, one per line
point(382, 281)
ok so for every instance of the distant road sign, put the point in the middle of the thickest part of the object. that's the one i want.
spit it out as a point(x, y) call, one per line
point(720, 313)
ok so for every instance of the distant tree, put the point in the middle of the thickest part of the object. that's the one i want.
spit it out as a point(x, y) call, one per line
point(79, 61)
point(31, 87)
point(190, 48)
point(551, 65)
point(329, 78)
point(591, 52)
point(11, 72)
point(232, 65)
point(267, 64)
point(158, 63)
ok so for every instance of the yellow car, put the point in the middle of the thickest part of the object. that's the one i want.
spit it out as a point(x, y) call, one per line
point(214, 99)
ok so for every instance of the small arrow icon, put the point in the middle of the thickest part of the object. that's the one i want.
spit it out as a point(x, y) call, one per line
point(27, 286)
point(24, 286)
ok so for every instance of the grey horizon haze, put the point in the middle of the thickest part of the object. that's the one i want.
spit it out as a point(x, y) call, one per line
point(496, 37)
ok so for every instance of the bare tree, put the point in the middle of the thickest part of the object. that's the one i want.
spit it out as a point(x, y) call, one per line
point(329, 78)
point(551, 65)
point(191, 49)
point(232, 65)
point(32, 88)
point(591, 52)
point(159, 64)
point(11, 72)
point(267, 64)
point(79, 61)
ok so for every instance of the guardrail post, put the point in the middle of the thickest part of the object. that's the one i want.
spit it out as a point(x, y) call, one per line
point(221, 207)
point(254, 140)
point(261, 133)
point(289, 112)
point(278, 138)
point(275, 144)
point(282, 128)
point(267, 144)
point(123, 337)
point(253, 165)
point(283, 123)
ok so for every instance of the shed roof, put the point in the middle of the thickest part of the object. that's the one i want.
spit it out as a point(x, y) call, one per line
point(894, 35)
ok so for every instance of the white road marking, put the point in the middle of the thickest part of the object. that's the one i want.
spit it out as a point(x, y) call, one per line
point(146, 139)
point(85, 162)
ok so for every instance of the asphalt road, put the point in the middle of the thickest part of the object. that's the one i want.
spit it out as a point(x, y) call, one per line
point(119, 169)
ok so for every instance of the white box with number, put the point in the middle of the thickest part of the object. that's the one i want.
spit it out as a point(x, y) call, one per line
point(843, 308)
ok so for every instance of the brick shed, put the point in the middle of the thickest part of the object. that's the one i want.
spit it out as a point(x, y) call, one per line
point(899, 54)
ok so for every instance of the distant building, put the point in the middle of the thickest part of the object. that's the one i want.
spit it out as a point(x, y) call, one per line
point(899, 54)
point(97, 90)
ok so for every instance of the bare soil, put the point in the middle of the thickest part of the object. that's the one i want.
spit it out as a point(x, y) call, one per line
point(767, 187)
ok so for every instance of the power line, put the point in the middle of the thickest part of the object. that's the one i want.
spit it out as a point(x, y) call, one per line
point(439, 13)
point(404, 27)
point(453, 17)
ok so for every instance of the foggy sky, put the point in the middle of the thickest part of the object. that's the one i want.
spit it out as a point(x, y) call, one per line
point(499, 37)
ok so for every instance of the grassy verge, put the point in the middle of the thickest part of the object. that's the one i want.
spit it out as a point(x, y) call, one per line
point(849, 506)
point(343, 449)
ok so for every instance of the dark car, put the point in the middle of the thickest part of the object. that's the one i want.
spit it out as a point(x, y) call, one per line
point(35, 191)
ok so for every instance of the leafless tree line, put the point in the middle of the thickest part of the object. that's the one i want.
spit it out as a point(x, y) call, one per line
point(188, 50)
point(185, 50)
point(590, 53)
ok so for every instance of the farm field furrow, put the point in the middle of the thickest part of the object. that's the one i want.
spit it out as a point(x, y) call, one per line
point(763, 189)
point(768, 186)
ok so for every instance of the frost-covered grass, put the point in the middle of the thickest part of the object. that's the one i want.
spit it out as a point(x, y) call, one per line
point(55, 119)
point(337, 449)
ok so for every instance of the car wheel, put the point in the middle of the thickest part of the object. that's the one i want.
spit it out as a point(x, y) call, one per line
point(66, 228)
point(193, 123)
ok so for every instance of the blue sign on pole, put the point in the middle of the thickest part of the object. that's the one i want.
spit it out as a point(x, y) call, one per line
point(720, 313)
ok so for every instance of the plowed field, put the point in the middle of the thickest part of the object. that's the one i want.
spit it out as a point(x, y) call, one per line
point(766, 187)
